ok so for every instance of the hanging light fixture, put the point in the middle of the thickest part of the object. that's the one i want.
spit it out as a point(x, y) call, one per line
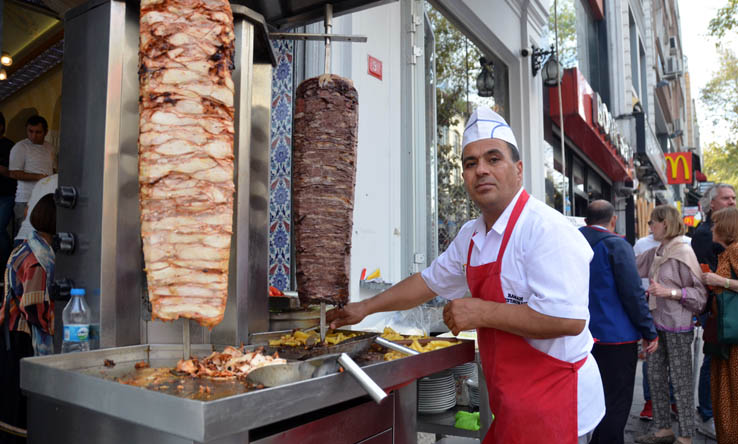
point(6, 59)
point(551, 73)
point(3, 74)
point(486, 78)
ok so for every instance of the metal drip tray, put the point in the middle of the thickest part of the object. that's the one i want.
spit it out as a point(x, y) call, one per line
point(79, 382)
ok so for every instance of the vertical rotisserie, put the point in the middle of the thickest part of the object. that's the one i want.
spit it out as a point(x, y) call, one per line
point(324, 177)
point(186, 155)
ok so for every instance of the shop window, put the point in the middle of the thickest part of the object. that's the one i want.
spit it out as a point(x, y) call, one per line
point(556, 181)
point(582, 42)
point(454, 72)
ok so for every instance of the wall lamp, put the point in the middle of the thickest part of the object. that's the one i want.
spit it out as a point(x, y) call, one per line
point(675, 134)
point(486, 78)
point(551, 73)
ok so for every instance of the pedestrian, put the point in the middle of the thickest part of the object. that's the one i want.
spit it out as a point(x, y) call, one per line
point(7, 193)
point(619, 318)
point(45, 186)
point(719, 196)
point(27, 314)
point(724, 363)
point(527, 268)
point(641, 246)
point(31, 159)
point(675, 293)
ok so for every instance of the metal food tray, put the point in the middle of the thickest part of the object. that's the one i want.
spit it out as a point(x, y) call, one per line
point(75, 380)
point(352, 346)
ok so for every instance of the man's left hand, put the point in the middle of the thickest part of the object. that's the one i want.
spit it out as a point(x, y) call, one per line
point(465, 313)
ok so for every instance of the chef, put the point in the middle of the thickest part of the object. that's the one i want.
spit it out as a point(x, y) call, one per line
point(527, 269)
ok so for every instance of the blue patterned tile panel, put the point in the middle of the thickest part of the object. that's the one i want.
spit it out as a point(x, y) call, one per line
point(280, 174)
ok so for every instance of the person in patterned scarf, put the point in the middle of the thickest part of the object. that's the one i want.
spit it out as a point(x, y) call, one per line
point(724, 363)
point(27, 315)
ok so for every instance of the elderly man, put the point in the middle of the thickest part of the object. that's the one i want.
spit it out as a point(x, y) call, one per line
point(719, 196)
point(31, 159)
point(619, 317)
point(527, 269)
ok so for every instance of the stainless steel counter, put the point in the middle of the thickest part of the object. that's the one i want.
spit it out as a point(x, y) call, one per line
point(73, 402)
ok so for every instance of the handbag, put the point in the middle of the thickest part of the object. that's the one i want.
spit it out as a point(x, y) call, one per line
point(727, 302)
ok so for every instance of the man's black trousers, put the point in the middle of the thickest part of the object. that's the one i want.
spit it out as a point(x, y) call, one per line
point(617, 365)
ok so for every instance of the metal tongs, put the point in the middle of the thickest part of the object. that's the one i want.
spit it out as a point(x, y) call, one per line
point(280, 374)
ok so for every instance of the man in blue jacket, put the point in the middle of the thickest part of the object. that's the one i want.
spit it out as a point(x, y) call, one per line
point(619, 317)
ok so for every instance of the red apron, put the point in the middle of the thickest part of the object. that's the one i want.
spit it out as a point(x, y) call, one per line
point(532, 395)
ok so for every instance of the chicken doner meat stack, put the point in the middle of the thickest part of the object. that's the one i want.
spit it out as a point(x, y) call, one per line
point(186, 155)
point(324, 176)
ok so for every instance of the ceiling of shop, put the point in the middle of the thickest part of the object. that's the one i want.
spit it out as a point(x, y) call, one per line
point(24, 27)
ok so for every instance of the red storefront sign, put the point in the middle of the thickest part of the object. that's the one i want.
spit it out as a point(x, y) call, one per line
point(675, 174)
point(590, 126)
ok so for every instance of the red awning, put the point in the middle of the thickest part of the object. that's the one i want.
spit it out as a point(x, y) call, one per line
point(576, 98)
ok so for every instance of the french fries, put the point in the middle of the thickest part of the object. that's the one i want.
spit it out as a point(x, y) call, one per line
point(300, 338)
point(430, 346)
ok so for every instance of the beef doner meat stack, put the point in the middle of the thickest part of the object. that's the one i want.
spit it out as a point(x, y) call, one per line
point(186, 155)
point(324, 175)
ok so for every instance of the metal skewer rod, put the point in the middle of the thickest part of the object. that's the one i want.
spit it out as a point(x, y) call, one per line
point(186, 346)
point(323, 327)
point(328, 29)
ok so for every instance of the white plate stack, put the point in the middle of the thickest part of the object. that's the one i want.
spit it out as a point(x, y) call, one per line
point(461, 374)
point(436, 393)
point(473, 384)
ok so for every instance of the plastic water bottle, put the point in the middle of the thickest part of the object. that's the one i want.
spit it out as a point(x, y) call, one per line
point(76, 317)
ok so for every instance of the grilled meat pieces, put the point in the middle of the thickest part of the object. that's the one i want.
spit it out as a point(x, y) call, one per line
point(323, 181)
point(229, 364)
point(186, 155)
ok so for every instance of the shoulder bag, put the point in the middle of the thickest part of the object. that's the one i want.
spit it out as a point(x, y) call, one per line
point(727, 302)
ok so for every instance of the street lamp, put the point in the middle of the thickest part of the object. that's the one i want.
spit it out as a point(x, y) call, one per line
point(3, 74)
point(551, 73)
point(486, 78)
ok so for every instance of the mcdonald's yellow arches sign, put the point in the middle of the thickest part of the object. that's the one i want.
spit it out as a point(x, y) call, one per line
point(679, 167)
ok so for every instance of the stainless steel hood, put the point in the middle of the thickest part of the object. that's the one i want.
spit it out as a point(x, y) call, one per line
point(285, 14)
point(99, 163)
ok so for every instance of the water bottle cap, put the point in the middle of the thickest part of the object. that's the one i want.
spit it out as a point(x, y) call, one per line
point(77, 292)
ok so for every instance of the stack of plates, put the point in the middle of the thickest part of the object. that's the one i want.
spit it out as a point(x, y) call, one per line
point(436, 393)
point(461, 374)
point(465, 370)
point(473, 384)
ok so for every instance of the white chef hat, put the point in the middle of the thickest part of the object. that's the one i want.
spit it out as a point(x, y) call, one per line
point(487, 124)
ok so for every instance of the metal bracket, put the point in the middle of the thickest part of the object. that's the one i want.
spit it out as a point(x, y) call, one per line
point(415, 52)
point(306, 36)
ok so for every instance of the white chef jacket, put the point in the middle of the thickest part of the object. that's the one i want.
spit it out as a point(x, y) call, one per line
point(28, 157)
point(546, 265)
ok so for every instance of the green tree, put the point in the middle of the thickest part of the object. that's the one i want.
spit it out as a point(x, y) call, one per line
point(567, 30)
point(725, 20)
point(720, 97)
point(721, 162)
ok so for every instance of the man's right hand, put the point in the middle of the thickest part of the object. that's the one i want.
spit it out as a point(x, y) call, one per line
point(350, 314)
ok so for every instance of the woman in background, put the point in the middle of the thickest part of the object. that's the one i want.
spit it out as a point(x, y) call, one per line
point(676, 293)
point(27, 315)
point(724, 363)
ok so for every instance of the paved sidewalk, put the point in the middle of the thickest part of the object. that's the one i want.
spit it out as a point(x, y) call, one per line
point(637, 427)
